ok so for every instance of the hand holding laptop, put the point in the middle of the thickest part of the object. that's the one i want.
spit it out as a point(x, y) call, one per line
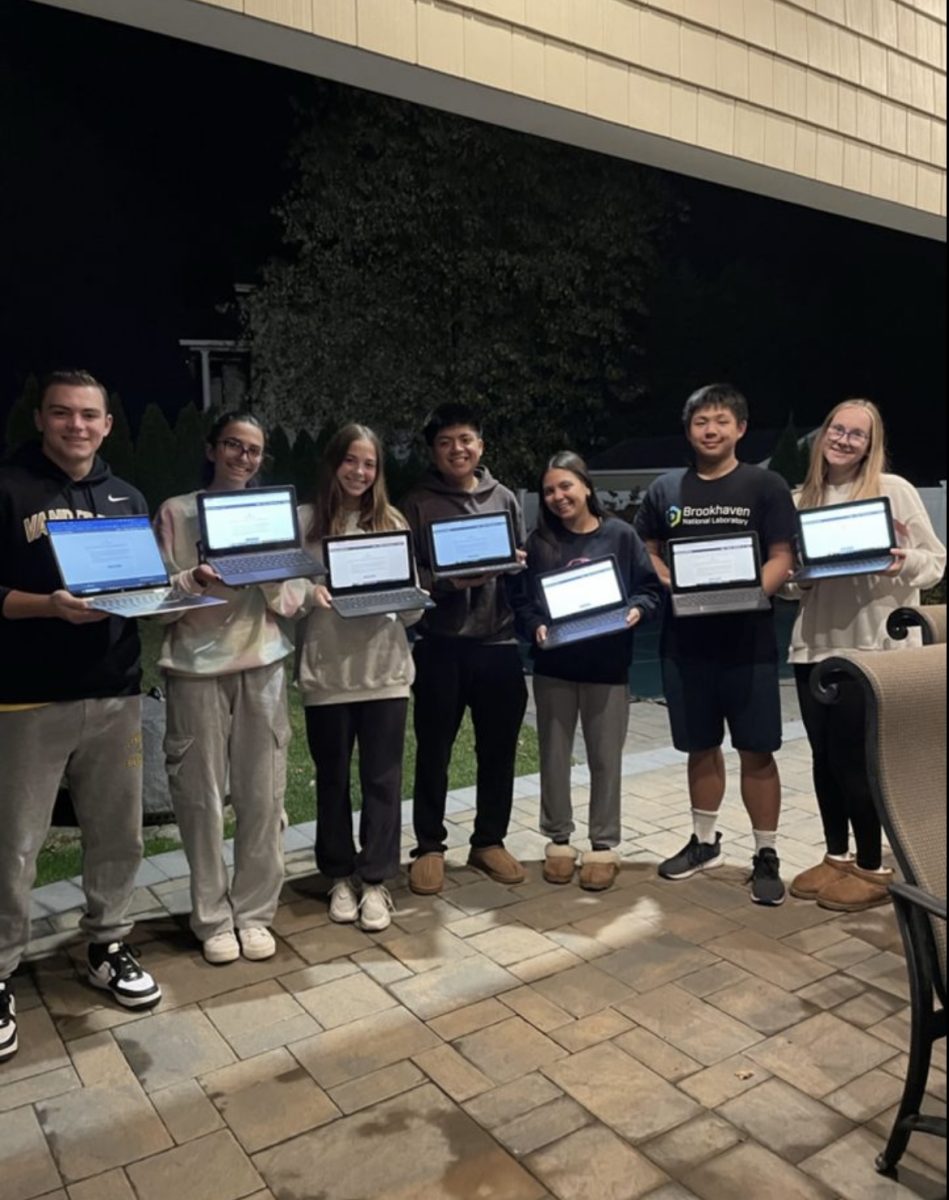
point(67, 607)
point(633, 617)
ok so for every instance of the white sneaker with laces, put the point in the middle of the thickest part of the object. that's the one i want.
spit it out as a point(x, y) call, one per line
point(8, 1041)
point(257, 943)
point(375, 908)
point(344, 902)
point(114, 968)
point(221, 948)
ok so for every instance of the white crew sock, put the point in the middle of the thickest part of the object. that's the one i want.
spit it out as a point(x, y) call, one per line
point(703, 823)
point(845, 858)
point(765, 839)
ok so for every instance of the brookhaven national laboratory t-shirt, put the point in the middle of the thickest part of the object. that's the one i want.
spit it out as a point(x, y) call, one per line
point(681, 504)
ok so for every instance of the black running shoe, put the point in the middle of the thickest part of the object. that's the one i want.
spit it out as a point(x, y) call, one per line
point(8, 1042)
point(114, 968)
point(765, 879)
point(694, 857)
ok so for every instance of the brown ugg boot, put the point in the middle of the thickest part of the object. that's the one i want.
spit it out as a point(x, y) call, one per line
point(808, 885)
point(857, 890)
point(560, 862)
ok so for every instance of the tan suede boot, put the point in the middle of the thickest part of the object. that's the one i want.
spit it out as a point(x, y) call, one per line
point(560, 862)
point(857, 890)
point(808, 885)
point(598, 870)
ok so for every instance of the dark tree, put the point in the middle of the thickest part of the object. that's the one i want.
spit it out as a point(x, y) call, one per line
point(280, 456)
point(21, 425)
point(118, 449)
point(155, 457)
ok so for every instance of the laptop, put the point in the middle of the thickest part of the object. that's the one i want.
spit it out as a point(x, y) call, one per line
point(373, 573)
point(478, 544)
point(115, 564)
point(845, 539)
point(583, 601)
point(717, 574)
point(253, 536)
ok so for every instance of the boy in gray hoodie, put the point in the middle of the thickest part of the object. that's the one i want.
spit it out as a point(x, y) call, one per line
point(466, 656)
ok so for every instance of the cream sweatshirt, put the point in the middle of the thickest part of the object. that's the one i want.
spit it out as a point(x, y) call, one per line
point(850, 612)
point(251, 630)
point(347, 659)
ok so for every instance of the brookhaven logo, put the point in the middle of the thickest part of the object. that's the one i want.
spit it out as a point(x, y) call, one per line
point(673, 516)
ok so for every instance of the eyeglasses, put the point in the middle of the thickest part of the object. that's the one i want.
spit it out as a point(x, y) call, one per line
point(856, 437)
point(234, 446)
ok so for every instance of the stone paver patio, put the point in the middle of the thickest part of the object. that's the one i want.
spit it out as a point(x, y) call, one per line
point(660, 1040)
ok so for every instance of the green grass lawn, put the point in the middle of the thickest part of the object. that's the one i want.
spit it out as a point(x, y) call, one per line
point(61, 857)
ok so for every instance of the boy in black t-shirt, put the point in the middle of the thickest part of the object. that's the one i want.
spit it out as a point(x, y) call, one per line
point(723, 669)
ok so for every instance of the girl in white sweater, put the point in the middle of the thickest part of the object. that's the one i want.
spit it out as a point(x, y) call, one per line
point(848, 462)
point(355, 674)
point(227, 721)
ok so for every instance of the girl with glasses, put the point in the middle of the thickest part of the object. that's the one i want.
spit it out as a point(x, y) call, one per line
point(849, 462)
point(227, 721)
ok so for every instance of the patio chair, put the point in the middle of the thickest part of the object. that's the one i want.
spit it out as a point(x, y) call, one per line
point(929, 619)
point(904, 699)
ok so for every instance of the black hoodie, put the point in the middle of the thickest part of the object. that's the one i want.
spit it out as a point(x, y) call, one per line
point(43, 659)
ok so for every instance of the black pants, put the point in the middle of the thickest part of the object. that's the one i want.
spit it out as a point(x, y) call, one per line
point(453, 674)
point(378, 726)
point(838, 745)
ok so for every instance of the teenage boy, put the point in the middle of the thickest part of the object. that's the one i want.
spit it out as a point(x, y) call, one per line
point(723, 669)
point(69, 697)
point(466, 656)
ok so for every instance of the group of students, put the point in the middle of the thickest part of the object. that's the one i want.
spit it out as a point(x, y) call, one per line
point(69, 703)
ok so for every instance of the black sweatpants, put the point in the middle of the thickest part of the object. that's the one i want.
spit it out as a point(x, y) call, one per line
point(378, 726)
point(453, 674)
point(838, 745)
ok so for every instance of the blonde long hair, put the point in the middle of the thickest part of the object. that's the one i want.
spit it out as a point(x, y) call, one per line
point(376, 514)
point(867, 480)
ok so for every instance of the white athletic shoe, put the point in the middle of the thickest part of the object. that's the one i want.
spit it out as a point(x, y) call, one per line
point(8, 1042)
point(375, 908)
point(344, 902)
point(114, 968)
point(221, 948)
point(257, 943)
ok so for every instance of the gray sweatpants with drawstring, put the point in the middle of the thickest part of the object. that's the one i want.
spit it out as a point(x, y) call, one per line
point(227, 738)
point(97, 746)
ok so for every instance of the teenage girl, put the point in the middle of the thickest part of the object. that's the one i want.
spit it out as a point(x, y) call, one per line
point(227, 721)
point(848, 462)
point(355, 674)
point(587, 680)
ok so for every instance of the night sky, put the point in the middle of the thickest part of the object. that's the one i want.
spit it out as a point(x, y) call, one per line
point(137, 180)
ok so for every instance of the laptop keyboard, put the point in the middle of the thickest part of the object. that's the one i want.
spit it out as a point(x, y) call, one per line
point(250, 564)
point(581, 627)
point(132, 601)
point(734, 600)
point(851, 567)
point(379, 601)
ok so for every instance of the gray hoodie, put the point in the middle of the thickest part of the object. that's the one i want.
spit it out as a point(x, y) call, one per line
point(480, 613)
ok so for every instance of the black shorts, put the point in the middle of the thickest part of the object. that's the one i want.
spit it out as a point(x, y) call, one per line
point(704, 694)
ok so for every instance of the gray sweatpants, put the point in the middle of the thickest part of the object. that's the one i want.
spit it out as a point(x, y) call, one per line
point(603, 711)
point(229, 733)
point(97, 746)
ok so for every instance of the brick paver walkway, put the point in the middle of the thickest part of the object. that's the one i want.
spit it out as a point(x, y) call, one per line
point(661, 1040)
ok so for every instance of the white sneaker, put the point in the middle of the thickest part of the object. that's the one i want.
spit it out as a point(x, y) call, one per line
point(375, 908)
point(257, 943)
point(344, 902)
point(221, 948)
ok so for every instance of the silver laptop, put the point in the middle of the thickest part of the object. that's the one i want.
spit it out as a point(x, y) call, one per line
point(718, 574)
point(845, 539)
point(114, 563)
point(253, 536)
point(583, 601)
point(478, 544)
point(372, 574)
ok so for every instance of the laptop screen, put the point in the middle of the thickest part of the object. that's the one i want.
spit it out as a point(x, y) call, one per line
point(467, 541)
point(107, 554)
point(581, 589)
point(368, 561)
point(842, 529)
point(701, 563)
point(249, 520)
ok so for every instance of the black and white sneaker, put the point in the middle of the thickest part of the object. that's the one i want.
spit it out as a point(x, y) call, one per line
point(8, 1042)
point(695, 856)
point(767, 886)
point(114, 968)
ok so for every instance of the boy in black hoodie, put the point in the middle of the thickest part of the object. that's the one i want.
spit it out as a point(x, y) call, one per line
point(466, 657)
point(69, 697)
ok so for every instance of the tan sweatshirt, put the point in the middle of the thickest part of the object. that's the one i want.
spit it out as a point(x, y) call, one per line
point(850, 612)
point(251, 630)
point(347, 659)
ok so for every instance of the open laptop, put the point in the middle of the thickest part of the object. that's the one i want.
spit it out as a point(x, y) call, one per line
point(717, 574)
point(253, 536)
point(845, 539)
point(478, 544)
point(115, 564)
point(583, 601)
point(372, 574)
